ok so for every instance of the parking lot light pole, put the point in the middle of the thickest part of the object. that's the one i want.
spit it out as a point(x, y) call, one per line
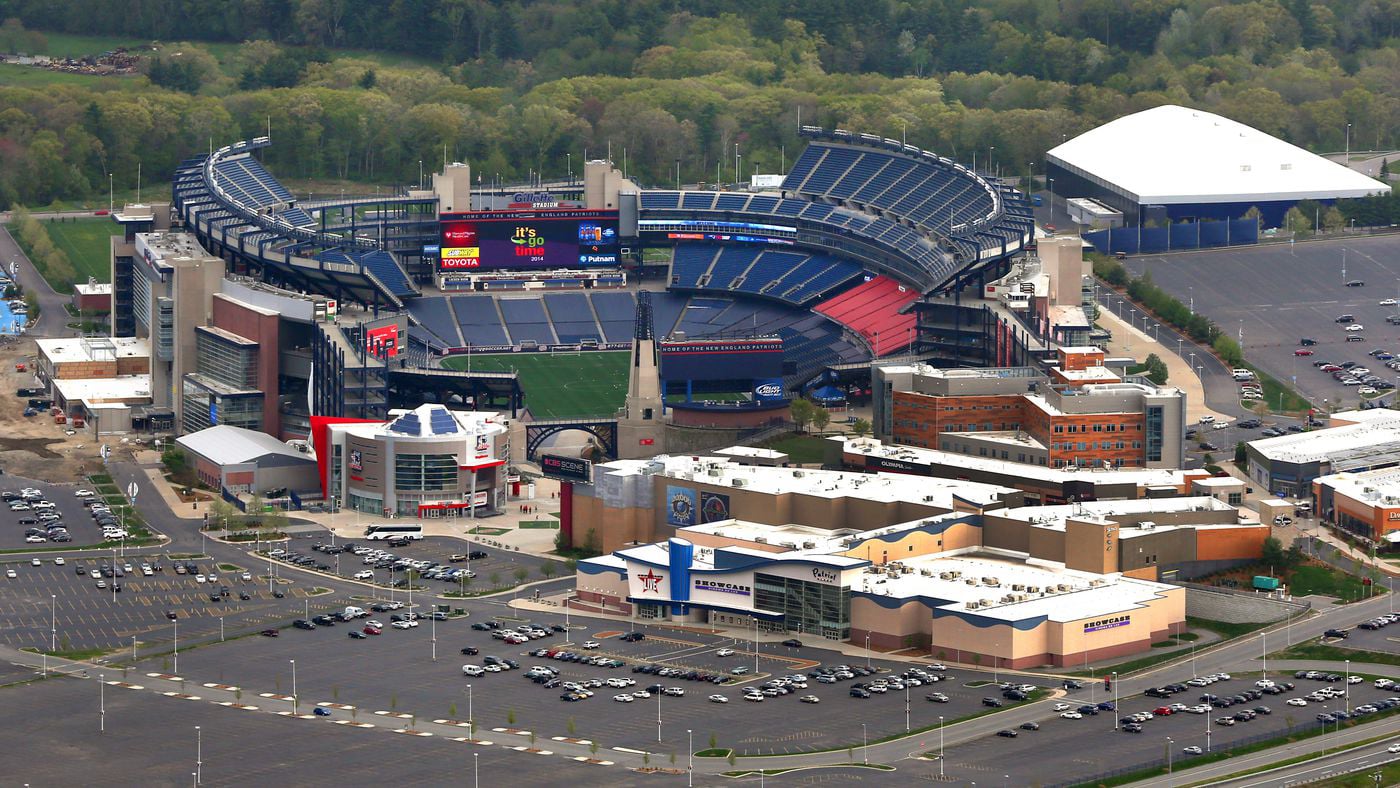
point(1169, 761)
point(476, 776)
point(177, 646)
point(1347, 689)
point(53, 622)
point(867, 649)
point(865, 744)
point(295, 704)
point(1208, 731)
point(198, 755)
point(690, 771)
point(658, 715)
point(434, 625)
point(940, 746)
point(1115, 700)
point(101, 703)
point(906, 708)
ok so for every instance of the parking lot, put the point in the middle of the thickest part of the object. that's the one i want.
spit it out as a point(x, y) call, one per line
point(1385, 639)
point(89, 617)
point(395, 671)
point(498, 569)
point(71, 513)
point(1279, 294)
point(1059, 746)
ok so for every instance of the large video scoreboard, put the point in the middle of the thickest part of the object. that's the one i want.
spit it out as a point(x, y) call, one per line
point(528, 239)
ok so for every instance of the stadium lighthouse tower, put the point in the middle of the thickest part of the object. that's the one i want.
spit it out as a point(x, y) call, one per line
point(640, 430)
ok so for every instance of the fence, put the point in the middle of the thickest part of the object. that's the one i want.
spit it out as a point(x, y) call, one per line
point(233, 499)
point(1179, 236)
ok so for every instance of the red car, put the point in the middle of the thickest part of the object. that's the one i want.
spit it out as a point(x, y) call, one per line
point(372, 631)
point(1302, 351)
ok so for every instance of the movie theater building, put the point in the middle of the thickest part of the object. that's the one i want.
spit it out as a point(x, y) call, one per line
point(967, 603)
point(425, 462)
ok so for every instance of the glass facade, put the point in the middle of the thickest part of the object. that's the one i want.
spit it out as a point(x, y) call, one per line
point(425, 472)
point(807, 607)
point(367, 504)
point(1153, 418)
point(231, 363)
point(204, 407)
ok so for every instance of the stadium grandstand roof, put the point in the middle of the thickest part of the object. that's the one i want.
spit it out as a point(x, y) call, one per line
point(1173, 155)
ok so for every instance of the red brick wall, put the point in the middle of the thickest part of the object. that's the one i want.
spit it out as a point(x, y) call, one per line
point(251, 324)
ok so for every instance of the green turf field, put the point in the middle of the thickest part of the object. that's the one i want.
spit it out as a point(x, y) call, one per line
point(561, 386)
point(87, 244)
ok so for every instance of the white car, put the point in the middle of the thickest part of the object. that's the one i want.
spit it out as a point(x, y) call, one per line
point(147, 571)
point(753, 696)
point(718, 699)
point(1393, 748)
point(59, 561)
point(1207, 419)
point(199, 578)
point(1296, 702)
point(1061, 706)
point(364, 575)
point(1355, 327)
point(641, 694)
point(374, 623)
point(592, 644)
point(83, 493)
point(725, 652)
point(1387, 302)
point(407, 625)
point(1366, 390)
point(1072, 715)
point(246, 576)
point(35, 539)
point(1354, 679)
point(10, 573)
point(1262, 683)
point(1200, 708)
point(1221, 425)
point(1192, 750)
point(623, 698)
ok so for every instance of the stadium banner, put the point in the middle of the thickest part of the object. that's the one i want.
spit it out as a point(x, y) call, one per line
point(544, 238)
point(574, 348)
point(721, 359)
point(566, 469)
point(768, 390)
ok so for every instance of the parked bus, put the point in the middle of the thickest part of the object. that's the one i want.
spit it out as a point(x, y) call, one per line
point(394, 532)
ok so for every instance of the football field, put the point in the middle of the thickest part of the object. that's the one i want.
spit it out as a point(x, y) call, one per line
point(560, 385)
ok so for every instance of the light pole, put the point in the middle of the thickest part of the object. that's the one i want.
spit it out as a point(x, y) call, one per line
point(940, 746)
point(865, 744)
point(476, 776)
point(867, 649)
point(1348, 688)
point(1169, 761)
point(295, 704)
point(690, 770)
point(101, 703)
point(1207, 732)
point(198, 755)
point(177, 646)
point(53, 622)
point(420, 173)
point(658, 717)
point(1115, 700)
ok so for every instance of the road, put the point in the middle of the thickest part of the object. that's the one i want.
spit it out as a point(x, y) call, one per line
point(52, 320)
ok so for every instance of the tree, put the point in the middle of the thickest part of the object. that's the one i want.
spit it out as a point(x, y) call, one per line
point(1333, 220)
point(802, 413)
point(1241, 454)
point(547, 569)
point(495, 579)
point(1273, 554)
point(521, 573)
point(1155, 369)
point(1297, 222)
point(571, 726)
point(714, 742)
point(820, 418)
point(368, 79)
point(510, 716)
point(860, 427)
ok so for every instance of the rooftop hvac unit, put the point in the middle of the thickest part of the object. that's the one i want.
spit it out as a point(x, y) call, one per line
point(971, 581)
point(926, 572)
point(808, 545)
point(1008, 598)
point(944, 575)
point(1096, 582)
point(986, 602)
point(1018, 587)
point(790, 545)
point(714, 471)
point(1033, 589)
point(928, 499)
point(761, 539)
point(738, 482)
point(991, 581)
point(956, 573)
point(798, 474)
point(1061, 587)
point(973, 604)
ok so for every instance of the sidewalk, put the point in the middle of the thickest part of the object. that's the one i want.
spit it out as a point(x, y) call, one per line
point(1129, 341)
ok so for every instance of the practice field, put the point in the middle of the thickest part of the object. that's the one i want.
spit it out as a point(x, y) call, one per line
point(561, 385)
point(86, 242)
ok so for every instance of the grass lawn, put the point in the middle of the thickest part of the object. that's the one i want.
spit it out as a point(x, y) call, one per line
point(1322, 651)
point(805, 449)
point(1273, 389)
point(86, 243)
point(559, 386)
point(1324, 580)
point(29, 77)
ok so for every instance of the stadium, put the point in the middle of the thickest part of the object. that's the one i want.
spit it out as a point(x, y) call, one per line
point(532, 300)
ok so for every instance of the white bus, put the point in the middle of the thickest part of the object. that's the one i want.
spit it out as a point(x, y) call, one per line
point(394, 532)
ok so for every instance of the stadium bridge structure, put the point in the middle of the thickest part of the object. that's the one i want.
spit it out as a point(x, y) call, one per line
point(862, 228)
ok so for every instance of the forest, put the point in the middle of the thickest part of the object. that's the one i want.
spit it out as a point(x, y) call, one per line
point(366, 91)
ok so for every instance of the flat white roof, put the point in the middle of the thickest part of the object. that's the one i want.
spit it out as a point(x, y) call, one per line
point(76, 349)
point(1378, 488)
point(225, 444)
point(1088, 596)
point(883, 487)
point(1142, 477)
point(751, 451)
point(96, 288)
point(1173, 155)
point(1318, 445)
point(125, 387)
point(1054, 517)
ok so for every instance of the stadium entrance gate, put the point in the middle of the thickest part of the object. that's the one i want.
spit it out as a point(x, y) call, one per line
point(537, 432)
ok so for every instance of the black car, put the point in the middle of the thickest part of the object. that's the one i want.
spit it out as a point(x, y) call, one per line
point(244, 595)
point(1071, 684)
point(632, 637)
point(471, 650)
point(792, 643)
point(1336, 633)
point(1307, 341)
point(323, 621)
point(1030, 726)
point(215, 598)
point(302, 623)
point(1088, 709)
point(357, 634)
point(1007, 733)
point(1356, 283)
point(992, 702)
point(1013, 694)
point(857, 692)
point(476, 555)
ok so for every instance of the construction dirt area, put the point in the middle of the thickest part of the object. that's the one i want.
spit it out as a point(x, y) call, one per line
point(36, 447)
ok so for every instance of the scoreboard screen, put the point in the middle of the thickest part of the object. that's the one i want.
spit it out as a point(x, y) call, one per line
point(528, 239)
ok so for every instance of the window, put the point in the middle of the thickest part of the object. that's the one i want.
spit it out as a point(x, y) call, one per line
point(425, 472)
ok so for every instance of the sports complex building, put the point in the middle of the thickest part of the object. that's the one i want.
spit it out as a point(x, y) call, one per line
point(959, 568)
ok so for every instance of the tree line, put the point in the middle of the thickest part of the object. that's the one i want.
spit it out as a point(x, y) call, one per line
point(696, 94)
